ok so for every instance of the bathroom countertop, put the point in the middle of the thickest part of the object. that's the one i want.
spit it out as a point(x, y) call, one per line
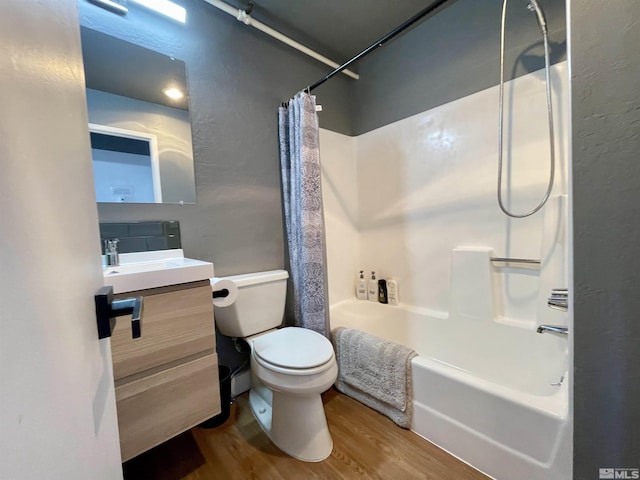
point(145, 270)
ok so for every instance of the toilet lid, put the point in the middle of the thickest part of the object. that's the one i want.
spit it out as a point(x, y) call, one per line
point(293, 347)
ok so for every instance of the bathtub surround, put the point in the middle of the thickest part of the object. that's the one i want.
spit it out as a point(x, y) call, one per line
point(427, 184)
point(376, 372)
point(303, 212)
point(606, 207)
point(402, 197)
point(556, 259)
point(426, 213)
point(471, 290)
point(340, 197)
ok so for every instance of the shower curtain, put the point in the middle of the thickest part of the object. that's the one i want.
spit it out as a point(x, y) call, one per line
point(304, 218)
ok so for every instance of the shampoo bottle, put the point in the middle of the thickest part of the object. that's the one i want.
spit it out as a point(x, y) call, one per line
point(372, 290)
point(382, 291)
point(361, 287)
point(392, 291)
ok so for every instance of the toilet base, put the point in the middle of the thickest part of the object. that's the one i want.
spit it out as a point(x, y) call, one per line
point(296, 424)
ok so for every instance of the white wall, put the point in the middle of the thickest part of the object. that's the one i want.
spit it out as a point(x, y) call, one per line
point(427, 184)
point(340, 197)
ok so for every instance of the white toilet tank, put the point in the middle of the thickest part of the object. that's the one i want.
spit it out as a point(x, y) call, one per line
point(259, 306)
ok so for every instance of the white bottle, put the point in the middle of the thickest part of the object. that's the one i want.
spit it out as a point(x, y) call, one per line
point(372, 291)
point(361, 287)
point(392, 291)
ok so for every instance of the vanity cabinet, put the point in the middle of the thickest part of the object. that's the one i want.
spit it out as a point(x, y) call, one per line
point(166, 380)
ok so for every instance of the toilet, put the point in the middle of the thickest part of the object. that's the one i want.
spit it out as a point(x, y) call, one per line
point(290, 367)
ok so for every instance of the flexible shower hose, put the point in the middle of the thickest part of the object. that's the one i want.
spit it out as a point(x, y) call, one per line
point(533, 6)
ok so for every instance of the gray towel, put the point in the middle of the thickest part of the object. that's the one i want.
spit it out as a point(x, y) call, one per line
point(376, 372)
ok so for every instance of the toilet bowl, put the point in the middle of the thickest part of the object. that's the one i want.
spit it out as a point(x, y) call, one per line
point(290, 408)
point(290, 367)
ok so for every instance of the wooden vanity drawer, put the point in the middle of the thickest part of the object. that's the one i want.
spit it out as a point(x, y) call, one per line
point(154, 408)
point(177, 322)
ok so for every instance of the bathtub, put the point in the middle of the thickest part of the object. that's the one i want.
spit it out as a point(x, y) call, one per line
point(491, 394)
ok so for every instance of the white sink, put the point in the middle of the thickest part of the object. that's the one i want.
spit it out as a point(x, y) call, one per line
point(144, 270)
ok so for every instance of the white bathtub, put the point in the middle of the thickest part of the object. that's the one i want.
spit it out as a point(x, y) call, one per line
point(482, 390)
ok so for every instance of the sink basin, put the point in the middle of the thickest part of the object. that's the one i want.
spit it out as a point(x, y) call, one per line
point(144, 270)
point(134, 268)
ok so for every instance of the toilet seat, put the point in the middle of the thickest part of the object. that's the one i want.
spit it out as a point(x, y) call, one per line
point(294, 351)
point(295, 371)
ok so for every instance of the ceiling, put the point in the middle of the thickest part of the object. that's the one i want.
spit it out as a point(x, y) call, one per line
point(338, 29)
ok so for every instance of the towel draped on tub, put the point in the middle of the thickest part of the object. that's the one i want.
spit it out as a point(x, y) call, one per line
point(376, 372)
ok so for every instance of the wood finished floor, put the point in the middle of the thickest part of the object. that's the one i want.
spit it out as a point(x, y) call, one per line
point(366, 445)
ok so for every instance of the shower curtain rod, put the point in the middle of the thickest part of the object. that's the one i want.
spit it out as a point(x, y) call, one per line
point(431, 9)
point(245, 17)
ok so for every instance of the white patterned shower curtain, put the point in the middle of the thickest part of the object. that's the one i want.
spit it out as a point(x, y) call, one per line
point(304, 218)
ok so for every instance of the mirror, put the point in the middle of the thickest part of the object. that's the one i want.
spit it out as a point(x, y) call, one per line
point(138, 106)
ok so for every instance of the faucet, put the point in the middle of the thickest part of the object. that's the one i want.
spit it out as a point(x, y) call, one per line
point(559, 299)
point(553, 329)
point(111, 252)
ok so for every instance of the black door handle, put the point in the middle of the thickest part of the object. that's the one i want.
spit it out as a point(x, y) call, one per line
point(107, 309)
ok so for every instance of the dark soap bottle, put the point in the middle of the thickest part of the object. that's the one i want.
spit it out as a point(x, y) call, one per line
point(382, 291)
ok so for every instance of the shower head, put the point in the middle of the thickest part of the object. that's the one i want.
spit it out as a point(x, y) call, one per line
point(535, 7)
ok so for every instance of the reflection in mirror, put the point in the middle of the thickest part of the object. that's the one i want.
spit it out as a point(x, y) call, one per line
point(137, 102)
point(125, 165)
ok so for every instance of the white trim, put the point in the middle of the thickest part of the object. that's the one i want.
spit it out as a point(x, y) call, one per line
point(153, 151)
point(568, 443)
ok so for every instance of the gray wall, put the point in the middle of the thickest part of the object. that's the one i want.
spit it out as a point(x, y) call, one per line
point(450, 55)
point(606, 193)
point(237, 78)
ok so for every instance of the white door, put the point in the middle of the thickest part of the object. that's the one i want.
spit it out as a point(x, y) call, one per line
point(57, 402)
